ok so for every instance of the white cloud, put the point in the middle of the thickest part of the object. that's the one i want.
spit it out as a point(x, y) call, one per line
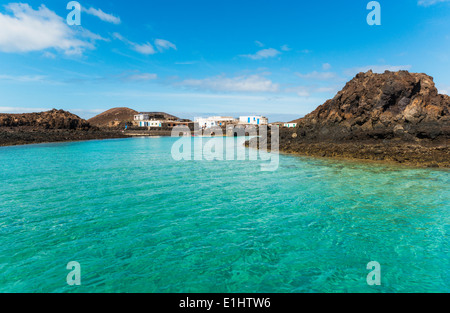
point(84, 111)
point(377, 69)
point(318, 75)
point(263, 54)
point(186, 63)
point(29, 79)
point(326, 66)
point(162, 45)
point(331, 89)
point(147, 48)
point(103, 16)
point(445, 90)
point(142, 77)
point(252, 83)
point(301, 91)
point(120, 37)
point(285, 48)
point(24, 78)
point(26, 30)
point(307, 91)
point(427, 3)
point(49, 55)
point(259, 43)
point(17, 110)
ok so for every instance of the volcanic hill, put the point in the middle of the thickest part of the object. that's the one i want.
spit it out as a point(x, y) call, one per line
point(113, 118)
point(394, 116)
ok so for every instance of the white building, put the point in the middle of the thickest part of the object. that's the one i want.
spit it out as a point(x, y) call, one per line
point(141, 117)
point(254, 120)
point(290, 125)
point(150, 124)
point(214, 121)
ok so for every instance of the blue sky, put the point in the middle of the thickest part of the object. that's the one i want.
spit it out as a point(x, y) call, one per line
point(278, 58)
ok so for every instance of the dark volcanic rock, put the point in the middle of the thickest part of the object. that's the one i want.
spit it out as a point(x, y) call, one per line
point(54, 119)
point(381, 106)
point(51, 126)
point(392, 117)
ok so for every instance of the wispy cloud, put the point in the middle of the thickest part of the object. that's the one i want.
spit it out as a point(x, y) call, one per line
point(252, 83)
point(263, 54)
point(301, 91)
point(326, 66)
point(25, 29)
point(162, 45)
point(445, 90)
point(103, 16)
point(141, 77)
point(318, 75)
point(307, 91)
point(13, 110)
point(147, 48)
point(186, 63)
point(427, 3)
point(259, 43)
point(24, 78)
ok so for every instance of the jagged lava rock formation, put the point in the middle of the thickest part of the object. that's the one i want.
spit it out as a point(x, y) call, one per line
point(395, 116)
point(381, 106)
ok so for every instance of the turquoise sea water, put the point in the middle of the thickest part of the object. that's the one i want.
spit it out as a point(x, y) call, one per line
point(138, 221)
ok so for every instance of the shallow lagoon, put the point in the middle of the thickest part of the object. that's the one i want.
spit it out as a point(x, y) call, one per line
point(138, 221)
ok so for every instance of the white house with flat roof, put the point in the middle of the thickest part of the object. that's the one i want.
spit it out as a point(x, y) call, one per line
point(214, 121)
point(253, 120)
point(150, 124)
point(290, 125)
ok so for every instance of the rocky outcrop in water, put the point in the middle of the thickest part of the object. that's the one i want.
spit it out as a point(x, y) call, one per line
point(396, 117)
point(381, 106)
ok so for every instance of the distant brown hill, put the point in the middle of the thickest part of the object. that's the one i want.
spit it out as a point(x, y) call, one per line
point(113, 118)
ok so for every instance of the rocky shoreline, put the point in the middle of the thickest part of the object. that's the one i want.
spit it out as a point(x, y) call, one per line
point(395, 105)
point(24, 136)
point(425, 154)
point(51, 126)
point(396, 117)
